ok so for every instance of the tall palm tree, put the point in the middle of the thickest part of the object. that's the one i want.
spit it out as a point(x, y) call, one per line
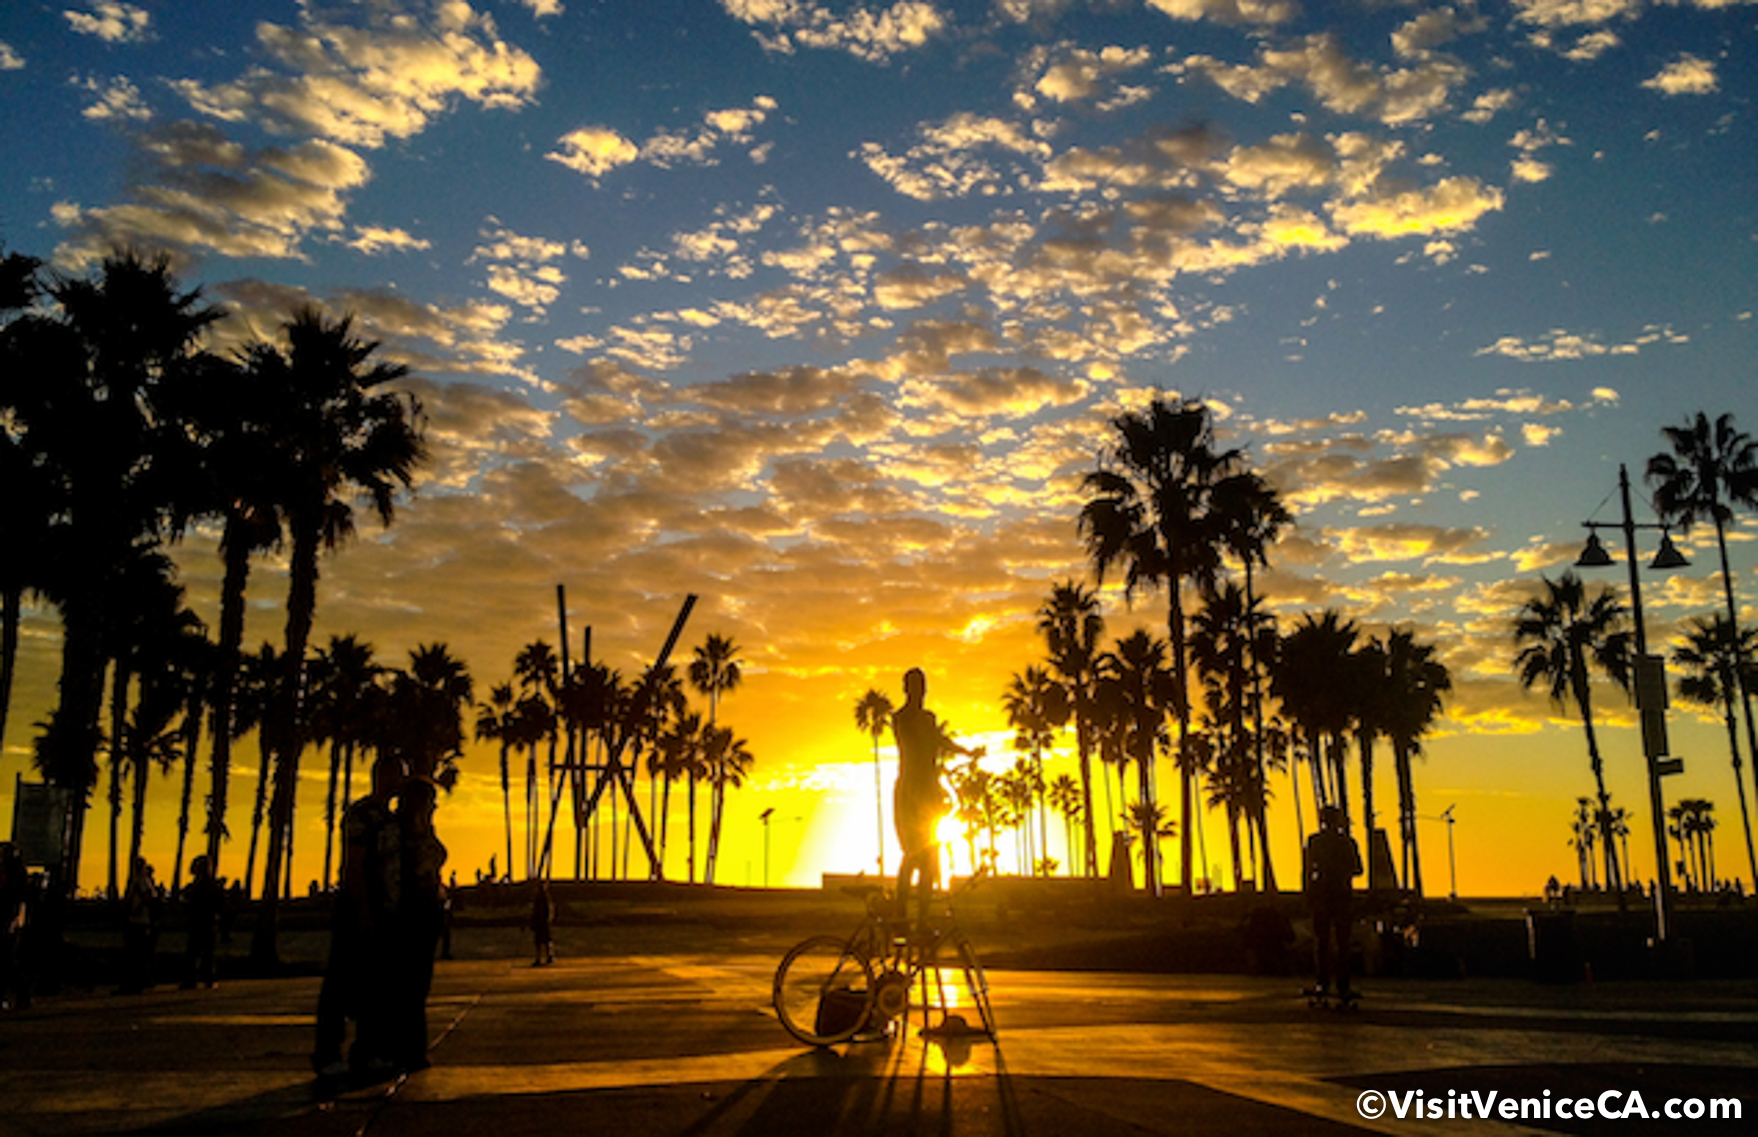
point(873, 718)
point(81, 393)
point(727, 761)
point(1559, 635)
point(682, 746)
point(1712, 469)
point(1151, 509)
point(342, 436)
point(1135, 675)
point(345, 676)
point(1251, 516)
point(1415, 684)
point(1036, 706)
point(1066, 798)
point(494, 721)
point(1710, 658)
point(255, 696)
point(714, 671)
point(1221, 649)
point(1073, 627)
point(1370, 705)
point(24, 508)
point(538, 670)
point(1311, 683)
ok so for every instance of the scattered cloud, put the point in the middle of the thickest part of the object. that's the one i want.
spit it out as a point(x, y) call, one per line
point(117, 100)
point(372, 240)
point(1685, 75)
point(10, 60)
point(872, 34)
point(111, 22)
point(1560, 344)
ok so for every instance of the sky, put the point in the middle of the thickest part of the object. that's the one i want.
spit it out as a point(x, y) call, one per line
point(820, 310)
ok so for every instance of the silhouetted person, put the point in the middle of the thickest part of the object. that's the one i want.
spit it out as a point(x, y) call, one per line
point(15, 911)
point(362, 929)
point(1333, 861)
point(420, 918)
point(202, 901)
point(448, 904)
point(542, 922)
point(918, 799)
point(140, 932)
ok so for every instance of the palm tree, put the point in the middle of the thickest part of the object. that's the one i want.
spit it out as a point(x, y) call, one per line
point(1152, 509)
point(1072, 627)
point(427, 713)
point(1036, 706)
point(1582, 841)
point(253, 698)
point(538, 669)
point(1252, 516)
point(81, 395)
point(24, 508)
point(1066, 798)
point(1710, 658)
point(873, 718)
point(1711, 469)
point(714, 671)
point(1145, 690)
point(726, 761)
point(1368, 699)
point(1311, 682)
point(1559, 634)
point(1415, 683)
point(1220, 647)
point(341, 435)
point(1148, 822)
point(682, 747)
point(495, 721)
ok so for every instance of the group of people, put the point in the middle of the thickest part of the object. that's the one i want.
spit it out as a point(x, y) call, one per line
point(389, 916)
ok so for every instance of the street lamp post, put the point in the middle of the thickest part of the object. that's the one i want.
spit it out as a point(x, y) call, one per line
point(1651, 699)
point(764, 818)
point(1452, 864)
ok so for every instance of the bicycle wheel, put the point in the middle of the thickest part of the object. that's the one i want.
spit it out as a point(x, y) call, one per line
point(979, 985)
point(823, 991)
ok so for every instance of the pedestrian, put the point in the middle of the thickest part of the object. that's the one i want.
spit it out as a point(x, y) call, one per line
point(420, 920)
point(140, 931)
point(15, 906)
point(202, 902)
point(542, 918)
point(1333, 861)
point(362, 928)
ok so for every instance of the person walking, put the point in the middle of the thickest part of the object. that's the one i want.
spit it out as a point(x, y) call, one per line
point(140, 932)
point(15, 905)
point(542, 923)
point(1333, 861)
point(202, 901)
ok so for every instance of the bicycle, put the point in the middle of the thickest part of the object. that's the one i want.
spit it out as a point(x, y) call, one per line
point(828, 989)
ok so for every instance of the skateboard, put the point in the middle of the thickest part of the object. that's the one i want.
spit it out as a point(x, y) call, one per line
point(1327, 1000)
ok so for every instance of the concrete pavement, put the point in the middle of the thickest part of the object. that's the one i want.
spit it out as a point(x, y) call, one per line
point(686, 1044)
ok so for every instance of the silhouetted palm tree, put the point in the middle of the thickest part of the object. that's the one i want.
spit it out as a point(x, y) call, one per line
point(25, 506)
point(1036, 706)
point(1710, 658)
point(726, 761)
point(80, 392)
point(1072, 627)
point(714, 671)
point(1064, 795)
point(1712, 469)
point(1415, 683)
point(1151, 508)
point(1220, 647)
point(1559, 634)
point(1135, 675)
point(873, 718)
point(344, 677)
point(1311, 682)
point(258, 674)
point(495, 721)
point(342, 436)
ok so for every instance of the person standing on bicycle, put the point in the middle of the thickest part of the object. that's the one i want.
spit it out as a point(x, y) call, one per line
point(919, 801)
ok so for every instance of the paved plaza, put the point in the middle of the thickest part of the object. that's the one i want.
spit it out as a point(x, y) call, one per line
point(686, 1044)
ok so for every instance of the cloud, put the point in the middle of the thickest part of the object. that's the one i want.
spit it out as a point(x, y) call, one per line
point(593, 150)
point(111, 22)
point(871, 34)
point(1342, 84)
point(372, 240)
point(385, 77)
point(1452, 204)
point(1260, 12)
point(946, 162)
point(10, 60)
point(1559, 344)
point(118, 99)
point(1686, 75)
point(1427, 543)
point(543, 9)
point(1569, 13)
point(204, 192)
point(1065, 73)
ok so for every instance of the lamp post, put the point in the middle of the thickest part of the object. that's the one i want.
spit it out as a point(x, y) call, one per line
point(1452, 864)
point(1651, 699)
point(764, 818)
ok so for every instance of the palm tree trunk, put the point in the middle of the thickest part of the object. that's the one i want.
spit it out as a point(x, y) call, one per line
point(236, 552)
point(1186, 790)
point(119, 679)
point(288, 734)
point(1733, 617)
point(1365, 738)
point(191, 744)
point(1260, 805)
point(664, 822)
point(141, 761)
point(1083, 744)
point(1584, 702)
point(879, 802)
point(507, 803)
point(330, 806)
point(11, 606)
point(1733, 745)
point(692, 803)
